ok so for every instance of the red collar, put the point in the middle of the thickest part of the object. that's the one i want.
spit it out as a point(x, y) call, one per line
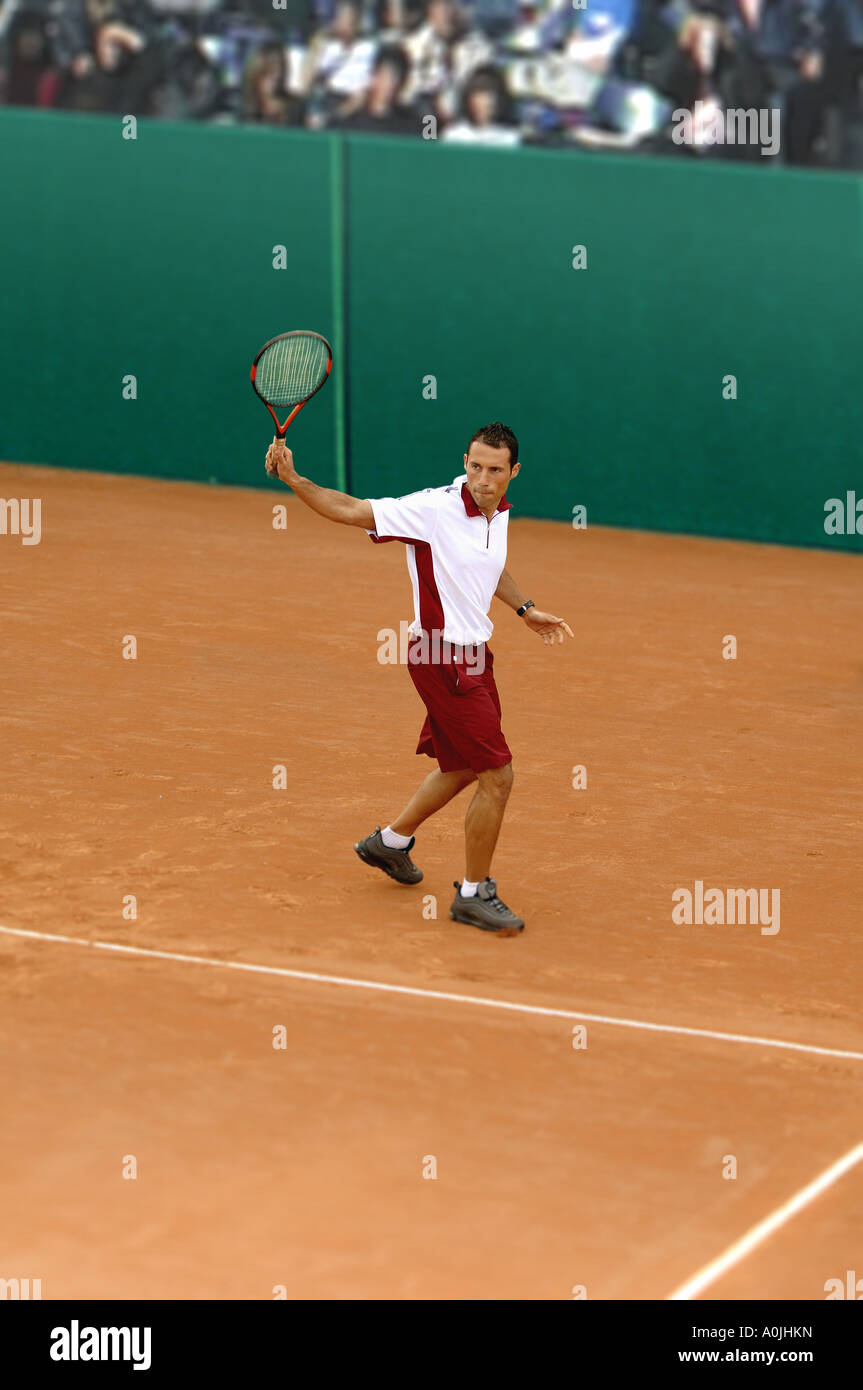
point(473, 510)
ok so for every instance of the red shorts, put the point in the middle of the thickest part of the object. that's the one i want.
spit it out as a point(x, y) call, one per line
point(462, 727)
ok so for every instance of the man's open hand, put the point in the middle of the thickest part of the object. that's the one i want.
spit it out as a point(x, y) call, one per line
point(280, 462)
point(550, 629)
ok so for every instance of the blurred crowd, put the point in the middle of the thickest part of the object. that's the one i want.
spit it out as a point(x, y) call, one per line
point(585, 73)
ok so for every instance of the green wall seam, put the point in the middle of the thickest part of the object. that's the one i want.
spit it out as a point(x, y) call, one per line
point(339, 242)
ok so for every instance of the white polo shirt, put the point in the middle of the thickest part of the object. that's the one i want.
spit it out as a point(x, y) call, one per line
point(455, 557)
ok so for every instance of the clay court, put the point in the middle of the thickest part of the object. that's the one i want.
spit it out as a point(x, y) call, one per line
point(302, 1167)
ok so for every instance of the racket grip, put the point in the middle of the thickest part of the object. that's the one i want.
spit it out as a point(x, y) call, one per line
point(277, 439)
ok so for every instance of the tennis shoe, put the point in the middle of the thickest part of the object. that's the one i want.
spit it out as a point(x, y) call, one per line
point(395, 862)
point(485, 911)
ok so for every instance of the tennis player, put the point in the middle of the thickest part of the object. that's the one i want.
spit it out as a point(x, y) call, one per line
point(456, 553)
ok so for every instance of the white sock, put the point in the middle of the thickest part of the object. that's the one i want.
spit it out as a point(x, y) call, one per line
point(393, 840)
point(468, 889)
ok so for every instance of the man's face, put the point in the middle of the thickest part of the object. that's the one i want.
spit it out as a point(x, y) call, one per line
point(482, 107)
point(345, 23)
point(488, 474)
point(441, 17)
point(384, 85)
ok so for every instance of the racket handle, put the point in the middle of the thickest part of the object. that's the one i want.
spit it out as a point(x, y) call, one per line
point(278, 439)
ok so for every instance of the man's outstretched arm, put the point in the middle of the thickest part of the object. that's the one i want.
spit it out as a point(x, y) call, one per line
point(508, 591)
point(549, 628)
point(335, 506)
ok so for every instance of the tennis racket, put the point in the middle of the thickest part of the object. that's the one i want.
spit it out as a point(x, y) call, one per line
point(288, 371)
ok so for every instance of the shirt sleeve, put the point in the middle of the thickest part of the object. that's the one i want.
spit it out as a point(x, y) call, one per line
point(411, 519)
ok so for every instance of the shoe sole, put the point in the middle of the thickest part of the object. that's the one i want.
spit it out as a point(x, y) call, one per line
point(381, 864)
point(487, 926)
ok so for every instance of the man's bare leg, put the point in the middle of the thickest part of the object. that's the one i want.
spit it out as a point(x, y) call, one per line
point(483, 820)
point(433, 793)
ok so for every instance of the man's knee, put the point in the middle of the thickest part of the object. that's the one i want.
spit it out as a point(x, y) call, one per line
point(464, 776)
point(497, 781)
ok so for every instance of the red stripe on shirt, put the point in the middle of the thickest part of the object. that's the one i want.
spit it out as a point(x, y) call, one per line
point(431, 608)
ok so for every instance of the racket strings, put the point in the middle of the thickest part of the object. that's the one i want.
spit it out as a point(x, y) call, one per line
point(292, 369)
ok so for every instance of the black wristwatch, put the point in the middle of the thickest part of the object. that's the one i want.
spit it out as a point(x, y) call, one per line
point(520, 612)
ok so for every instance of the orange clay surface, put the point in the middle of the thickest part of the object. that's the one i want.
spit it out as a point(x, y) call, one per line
point(302, 1166)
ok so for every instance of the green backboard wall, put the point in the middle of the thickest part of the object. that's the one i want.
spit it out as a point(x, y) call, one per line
point(155, 257)
point(611, 376)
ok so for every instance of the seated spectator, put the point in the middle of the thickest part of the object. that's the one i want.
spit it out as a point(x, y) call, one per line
point(444, 51)
point(339, 60)
point(382, 109)
point(778, 56)
point(690, 68)
point(428, 50)
point(603, 68)
point(486, 116)
point(103, 51)
point(704, 72)
point(33, 78)
point(759, 55)
point(265, 99)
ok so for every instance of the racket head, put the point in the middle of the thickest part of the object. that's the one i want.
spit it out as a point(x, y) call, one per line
point(289, 370)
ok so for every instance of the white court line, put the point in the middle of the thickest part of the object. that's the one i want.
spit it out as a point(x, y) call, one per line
point(741, 1248)
point(350, 983)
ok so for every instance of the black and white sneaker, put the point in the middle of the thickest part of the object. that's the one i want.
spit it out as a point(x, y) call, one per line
point(485, 911)
point(395, 862)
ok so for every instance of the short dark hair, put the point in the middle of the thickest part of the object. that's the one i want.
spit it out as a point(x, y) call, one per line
point(497, 436)
point(488, 79)
point(391, 55)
